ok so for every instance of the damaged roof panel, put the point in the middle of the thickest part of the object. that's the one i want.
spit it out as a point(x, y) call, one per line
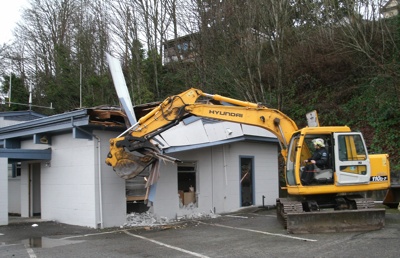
point(222, 131)
point(255, 130)
point(203, 132)
point(180, 135)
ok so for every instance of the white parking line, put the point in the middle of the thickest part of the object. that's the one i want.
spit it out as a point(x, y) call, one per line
point(264, 215)
point(93, 234)
point(30, 251)
point(261, 232)
point(169, 246)
point(2, 244)
point(236, 216)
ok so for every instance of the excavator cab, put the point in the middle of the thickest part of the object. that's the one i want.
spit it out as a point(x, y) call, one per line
point(312, 203)
point(348, 161)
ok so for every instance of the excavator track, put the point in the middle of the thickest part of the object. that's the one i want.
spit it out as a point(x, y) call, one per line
point(364, 203)
point(285, 206)
point(364, 218)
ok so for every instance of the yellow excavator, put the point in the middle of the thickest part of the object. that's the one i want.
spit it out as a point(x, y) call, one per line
point(332, 199)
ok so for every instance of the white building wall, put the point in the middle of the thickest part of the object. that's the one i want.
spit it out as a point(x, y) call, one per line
point(24, 188)
point(67, 182)
point(70, 190)
point(14, 195)
point(166, 199)
point(70, 184)
point(3, 191)
point(112, 190)
point(266, 175)
point(218, 176)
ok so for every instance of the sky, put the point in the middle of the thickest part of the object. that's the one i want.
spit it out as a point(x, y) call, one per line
point(9, 15)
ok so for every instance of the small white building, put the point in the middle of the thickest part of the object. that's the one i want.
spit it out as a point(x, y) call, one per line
point(62, 175)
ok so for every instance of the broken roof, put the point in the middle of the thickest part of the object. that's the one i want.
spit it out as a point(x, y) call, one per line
point(194, 133)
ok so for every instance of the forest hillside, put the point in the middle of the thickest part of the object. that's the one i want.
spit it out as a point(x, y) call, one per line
point(339, 57)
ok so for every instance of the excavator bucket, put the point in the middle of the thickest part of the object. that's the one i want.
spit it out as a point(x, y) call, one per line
point(132, 164)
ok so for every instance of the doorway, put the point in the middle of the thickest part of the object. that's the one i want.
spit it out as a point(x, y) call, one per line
point(246, 180)
point(34, 190)
point(187, 183)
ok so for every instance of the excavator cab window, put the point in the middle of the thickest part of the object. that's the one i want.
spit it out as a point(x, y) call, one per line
point(320, 173)
point(352, 163)
point(351, 148)
point(291, 160)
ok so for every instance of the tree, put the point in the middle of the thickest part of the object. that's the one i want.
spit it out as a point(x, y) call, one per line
point(19, 93)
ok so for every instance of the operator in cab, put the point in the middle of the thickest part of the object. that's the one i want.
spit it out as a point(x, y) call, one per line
point(318, 161)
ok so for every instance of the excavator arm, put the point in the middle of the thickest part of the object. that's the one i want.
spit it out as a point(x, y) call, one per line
point(132, 152)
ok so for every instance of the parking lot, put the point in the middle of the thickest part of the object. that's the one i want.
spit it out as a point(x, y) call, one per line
point(249, 233)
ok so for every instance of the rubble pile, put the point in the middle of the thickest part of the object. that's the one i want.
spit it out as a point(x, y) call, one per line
point(148, 219)
point(144, 219)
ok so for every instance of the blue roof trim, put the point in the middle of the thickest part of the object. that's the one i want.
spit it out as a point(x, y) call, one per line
point(46, 124)
point(18, 155)
point(210, 144)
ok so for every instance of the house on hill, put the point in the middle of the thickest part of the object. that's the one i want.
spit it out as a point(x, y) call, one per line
point(390, 8)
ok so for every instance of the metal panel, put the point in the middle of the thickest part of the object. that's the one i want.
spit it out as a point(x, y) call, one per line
point(70, 117)
point(258, 131)
point(121, 88)
point(80, 134)
point(173, 149)
point(12, 143)
point(180, 135)
point(43, 128)
point(23, 154)
point(158, 140)
point(222, 130)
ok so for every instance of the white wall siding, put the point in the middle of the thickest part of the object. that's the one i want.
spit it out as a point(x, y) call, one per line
point(204, 180)
point(166, 199)
point(266, 175)
point(14, 195)
point(68, 184)
point(3, 191)
point(24, 190)
point(218, 178)
point(70, 190)
point(112, 188)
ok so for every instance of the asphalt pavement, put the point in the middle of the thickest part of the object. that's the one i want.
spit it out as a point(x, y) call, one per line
point(252, 232)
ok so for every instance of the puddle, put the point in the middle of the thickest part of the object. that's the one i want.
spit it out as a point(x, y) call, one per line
point(45, 242)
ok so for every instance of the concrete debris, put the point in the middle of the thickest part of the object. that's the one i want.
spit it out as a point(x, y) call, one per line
point(190, 212)
point(144, 219)
point(148, 219)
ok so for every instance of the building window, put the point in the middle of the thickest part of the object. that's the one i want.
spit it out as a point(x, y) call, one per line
point(183, 47)
point(187, 174)
point(14, 170)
